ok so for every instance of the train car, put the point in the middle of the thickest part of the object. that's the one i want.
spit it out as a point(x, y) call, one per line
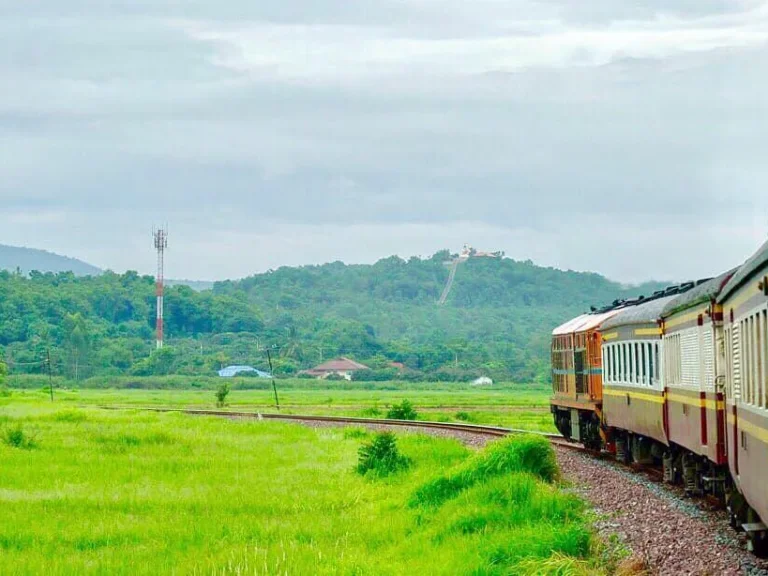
point(577, 381)
point(744, 301)
point(633, 380)
point(694, 368)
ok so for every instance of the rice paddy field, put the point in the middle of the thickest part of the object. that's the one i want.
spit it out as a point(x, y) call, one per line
point(90, 491)
point(520, 406)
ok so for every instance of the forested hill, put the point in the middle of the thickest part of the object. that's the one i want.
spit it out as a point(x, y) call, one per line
point(496, 321)
point(497, 318)
point(26, 260)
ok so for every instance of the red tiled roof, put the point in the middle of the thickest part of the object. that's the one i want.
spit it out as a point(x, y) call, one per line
point(339, 365)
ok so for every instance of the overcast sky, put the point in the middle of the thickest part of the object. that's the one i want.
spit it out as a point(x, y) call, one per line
point(620, 136)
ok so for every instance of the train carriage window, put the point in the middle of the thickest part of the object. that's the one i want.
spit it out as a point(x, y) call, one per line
point(650, 365)
point(625, 356)
point(614, 366)
point(643, 366)
point(747, 347)
point(748, 367)
point(627, 360)
point(657, 354)
point(764, 355)
point(759, 356)
point(609, 355)
point(638, 372)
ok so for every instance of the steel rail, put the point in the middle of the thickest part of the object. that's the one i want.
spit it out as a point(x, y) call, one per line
point(478, 429)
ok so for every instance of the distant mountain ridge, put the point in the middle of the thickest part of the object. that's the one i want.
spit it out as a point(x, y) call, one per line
point(28, 259)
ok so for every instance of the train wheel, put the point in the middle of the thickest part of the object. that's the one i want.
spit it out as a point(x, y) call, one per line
point(668, 462)
point(622, 449)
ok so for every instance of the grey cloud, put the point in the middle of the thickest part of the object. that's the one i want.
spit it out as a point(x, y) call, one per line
point(117, 116)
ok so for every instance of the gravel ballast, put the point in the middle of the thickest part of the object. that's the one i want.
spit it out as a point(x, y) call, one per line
point(671, 533)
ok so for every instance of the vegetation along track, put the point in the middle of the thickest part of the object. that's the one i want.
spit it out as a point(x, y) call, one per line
point(665, 530)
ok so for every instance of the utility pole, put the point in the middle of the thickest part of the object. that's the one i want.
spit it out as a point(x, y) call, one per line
point(274, 386)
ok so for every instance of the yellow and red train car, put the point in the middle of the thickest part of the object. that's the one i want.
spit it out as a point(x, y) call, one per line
point(744, 302)
point(633, 381)
point(679, 378)
point(694, 367)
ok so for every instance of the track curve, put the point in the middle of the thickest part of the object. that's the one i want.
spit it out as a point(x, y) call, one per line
point(477, 429)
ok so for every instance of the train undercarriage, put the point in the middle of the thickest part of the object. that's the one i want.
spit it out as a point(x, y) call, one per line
point(699, 476)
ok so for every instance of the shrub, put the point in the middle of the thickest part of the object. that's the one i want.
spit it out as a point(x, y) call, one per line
point(16, 437)
point(531, 454)
point(381, 456)
point(402, 411)
point(221, 394)
point(463, 416)
point(372, 412)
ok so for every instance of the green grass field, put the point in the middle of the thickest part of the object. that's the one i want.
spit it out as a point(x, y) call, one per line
point(130, 492)
point(516, 406)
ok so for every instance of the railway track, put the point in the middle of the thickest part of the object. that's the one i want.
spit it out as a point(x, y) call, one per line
point(478, 429)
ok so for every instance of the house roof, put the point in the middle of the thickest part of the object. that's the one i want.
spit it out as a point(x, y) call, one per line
point(339, 365)
point(231, 371)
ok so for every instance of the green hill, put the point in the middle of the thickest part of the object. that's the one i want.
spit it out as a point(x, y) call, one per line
point(25, 260)
point(496, 321)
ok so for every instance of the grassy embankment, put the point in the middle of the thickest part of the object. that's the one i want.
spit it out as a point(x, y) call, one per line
point(521, 406)
point(129, 492)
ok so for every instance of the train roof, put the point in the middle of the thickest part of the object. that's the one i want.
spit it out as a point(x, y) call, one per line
point(757, 261)
point(583, 323)
point(641, 313)
point(704, 292)
point(568, 327)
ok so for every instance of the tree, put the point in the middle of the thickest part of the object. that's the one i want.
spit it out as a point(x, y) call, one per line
point(76, 328)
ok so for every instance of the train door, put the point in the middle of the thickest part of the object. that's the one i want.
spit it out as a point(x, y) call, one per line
point(581, 369)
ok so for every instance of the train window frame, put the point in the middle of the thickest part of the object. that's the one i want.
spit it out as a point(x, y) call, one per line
point(763, 315)
point(611, 362)
point(643, 364)
point(760, 353)
point(651, 365)
point(727, 334)
point(746, 347)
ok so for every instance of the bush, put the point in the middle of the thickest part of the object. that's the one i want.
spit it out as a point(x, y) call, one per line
point(531, 454)
point(402, 411)
point(381, 456)
point(463, 416)
point(371, 412)
point(221, 394)
point(16, 437)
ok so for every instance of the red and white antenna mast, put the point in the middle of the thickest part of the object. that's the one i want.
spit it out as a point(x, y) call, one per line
point(161, 243)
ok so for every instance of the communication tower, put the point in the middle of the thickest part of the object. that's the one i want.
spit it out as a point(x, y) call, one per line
point(161, 243)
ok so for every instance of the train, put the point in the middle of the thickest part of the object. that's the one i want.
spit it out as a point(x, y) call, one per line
point(678, 379)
